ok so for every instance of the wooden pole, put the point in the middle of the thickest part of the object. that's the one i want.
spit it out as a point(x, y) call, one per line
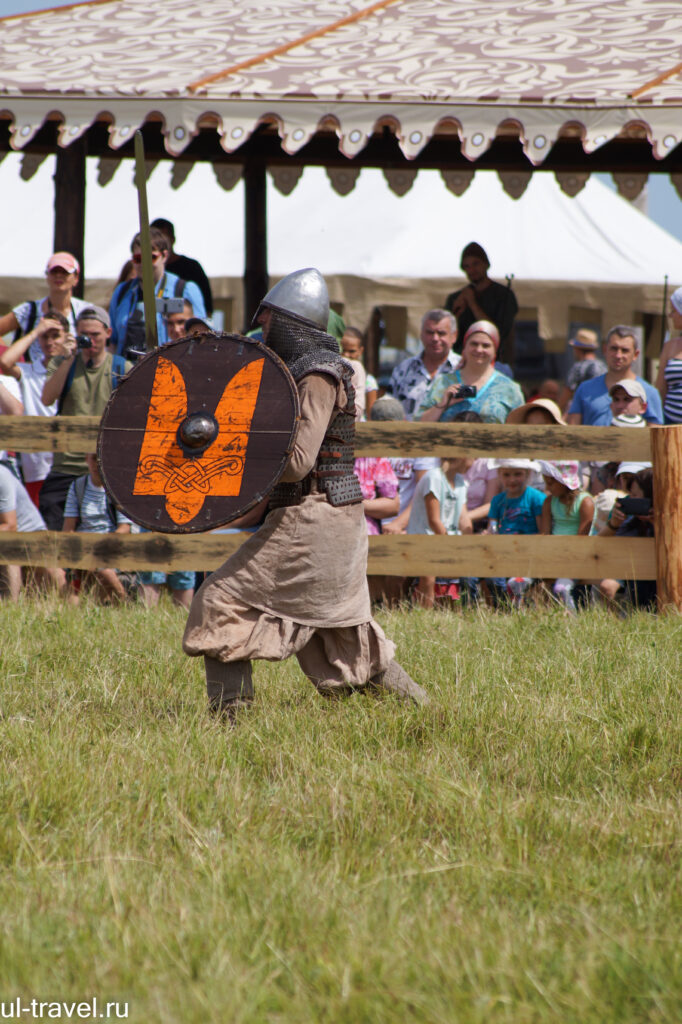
point(666, 449)
point(148, 288)
point(69, 205)
point(256, 281)
point(372, 342)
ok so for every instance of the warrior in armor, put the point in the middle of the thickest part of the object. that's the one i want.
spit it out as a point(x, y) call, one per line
point(299, 585)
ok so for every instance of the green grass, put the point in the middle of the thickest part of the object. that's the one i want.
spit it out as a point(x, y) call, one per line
point(511, 853)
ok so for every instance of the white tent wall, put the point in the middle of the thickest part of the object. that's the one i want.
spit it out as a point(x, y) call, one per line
point(593, 252)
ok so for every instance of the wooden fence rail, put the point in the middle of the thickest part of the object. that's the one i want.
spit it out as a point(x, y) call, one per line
point(402, 555)
point(480, 440)
point(406, 555)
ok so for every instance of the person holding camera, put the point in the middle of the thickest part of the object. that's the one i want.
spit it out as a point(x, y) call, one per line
point(632, 515)
point(80, 380)
point(49, 335)
point(126, 309)
point(475, 386)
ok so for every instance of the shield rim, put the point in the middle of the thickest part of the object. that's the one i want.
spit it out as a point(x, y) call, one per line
point(212, 336)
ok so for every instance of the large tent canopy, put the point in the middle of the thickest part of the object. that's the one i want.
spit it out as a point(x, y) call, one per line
point(541, 70)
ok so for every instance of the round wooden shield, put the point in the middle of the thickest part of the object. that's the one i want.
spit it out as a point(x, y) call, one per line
point(198, 432)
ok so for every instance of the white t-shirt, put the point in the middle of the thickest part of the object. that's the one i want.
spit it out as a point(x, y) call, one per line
point(451, 499)
point(405, 470)
point(35, 465)
point(14, 498)
point(12, 386)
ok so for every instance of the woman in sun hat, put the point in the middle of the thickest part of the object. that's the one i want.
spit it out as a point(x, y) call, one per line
point(537, 413)
point(567, 511)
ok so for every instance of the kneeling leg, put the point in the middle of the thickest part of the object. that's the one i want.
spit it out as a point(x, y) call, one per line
point(229, 685)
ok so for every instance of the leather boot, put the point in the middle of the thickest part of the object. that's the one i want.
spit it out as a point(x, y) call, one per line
point(396, 680)
point(229, 686)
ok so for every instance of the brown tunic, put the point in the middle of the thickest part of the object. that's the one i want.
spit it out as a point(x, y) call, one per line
point(298, 585)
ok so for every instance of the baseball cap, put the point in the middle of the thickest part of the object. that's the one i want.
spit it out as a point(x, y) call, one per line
point(585, 338)
point(387, 408)
point(631, 387)
point(632, 467)
point(64, 260)
point(94, 313)
point(529, 464)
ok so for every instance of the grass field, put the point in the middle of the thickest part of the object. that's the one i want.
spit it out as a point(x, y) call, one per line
point(511, 853)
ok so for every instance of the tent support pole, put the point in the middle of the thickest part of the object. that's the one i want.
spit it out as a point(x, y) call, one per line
point(255, 238)
point(69, 205)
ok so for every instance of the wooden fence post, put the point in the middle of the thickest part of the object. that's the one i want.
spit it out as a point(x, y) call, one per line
point(666, 450)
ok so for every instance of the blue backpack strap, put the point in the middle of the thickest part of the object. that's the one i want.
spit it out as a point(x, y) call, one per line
point(118, 370)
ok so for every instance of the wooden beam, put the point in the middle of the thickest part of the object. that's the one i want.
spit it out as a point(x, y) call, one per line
point(593, 558)
point(502, 440)
point(69, 205)
point(255, 238)
point(481, 440)
point(404, 555)
point(76, 434)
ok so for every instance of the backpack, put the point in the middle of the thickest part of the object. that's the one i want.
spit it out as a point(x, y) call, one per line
point(118, 369)
point(136, 336)
point(79, 485)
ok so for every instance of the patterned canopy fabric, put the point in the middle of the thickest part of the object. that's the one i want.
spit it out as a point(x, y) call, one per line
point(589, 69)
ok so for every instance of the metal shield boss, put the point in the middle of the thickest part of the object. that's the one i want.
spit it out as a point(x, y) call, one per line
point(198, 432)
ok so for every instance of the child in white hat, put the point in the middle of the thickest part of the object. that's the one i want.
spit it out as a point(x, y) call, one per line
point(567, 511)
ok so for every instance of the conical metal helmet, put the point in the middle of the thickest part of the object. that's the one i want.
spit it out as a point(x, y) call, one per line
point(303, 293)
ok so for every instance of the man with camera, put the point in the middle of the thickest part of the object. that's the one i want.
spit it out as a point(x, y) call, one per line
point(80, 380)
point(49, 335)
point(126, 309)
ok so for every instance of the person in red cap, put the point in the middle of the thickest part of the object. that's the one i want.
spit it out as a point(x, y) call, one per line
point(62, 273)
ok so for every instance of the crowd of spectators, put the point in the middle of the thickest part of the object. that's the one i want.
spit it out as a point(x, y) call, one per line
point(67, 356)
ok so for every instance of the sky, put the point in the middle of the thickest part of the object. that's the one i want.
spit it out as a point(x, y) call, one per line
point(22, 6)
point(664, 206)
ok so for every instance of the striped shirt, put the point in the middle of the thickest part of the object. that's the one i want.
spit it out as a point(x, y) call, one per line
point(93, 510)
point(672, 407)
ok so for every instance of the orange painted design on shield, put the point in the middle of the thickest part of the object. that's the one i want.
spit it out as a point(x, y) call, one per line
point(186, 482)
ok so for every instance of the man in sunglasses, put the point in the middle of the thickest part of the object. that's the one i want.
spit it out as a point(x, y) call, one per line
point(127, 303)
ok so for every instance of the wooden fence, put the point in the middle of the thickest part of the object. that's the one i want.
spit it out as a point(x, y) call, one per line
point(406, 555)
